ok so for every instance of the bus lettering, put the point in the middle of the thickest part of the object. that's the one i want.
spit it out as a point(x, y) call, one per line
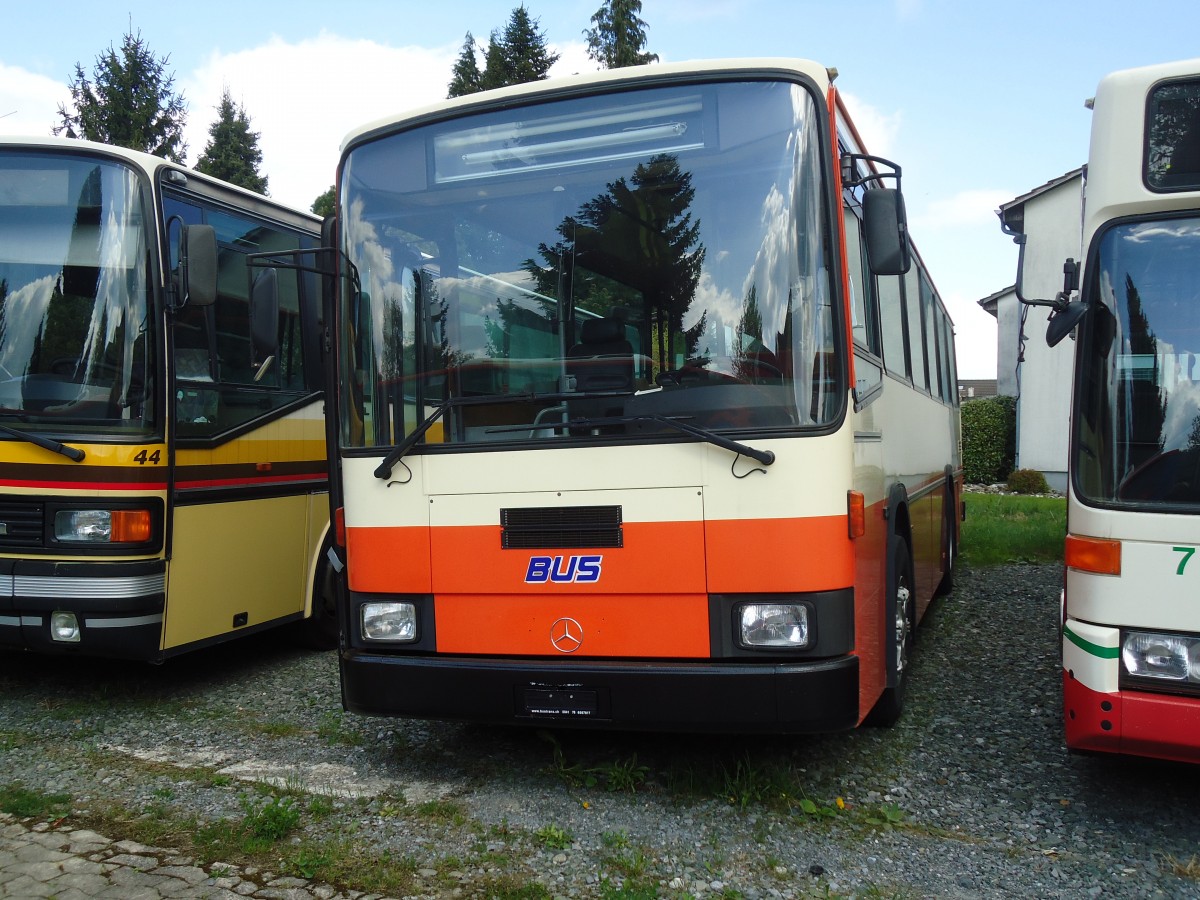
point(1187, 555)
point(563, 569)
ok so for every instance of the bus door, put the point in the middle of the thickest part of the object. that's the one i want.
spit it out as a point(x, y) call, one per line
point(247, 505)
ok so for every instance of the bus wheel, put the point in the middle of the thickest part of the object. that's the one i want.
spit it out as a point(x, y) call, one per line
point(901, 631)
point(320, 630)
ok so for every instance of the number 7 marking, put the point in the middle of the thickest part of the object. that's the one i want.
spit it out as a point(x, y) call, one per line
point(1187, 552)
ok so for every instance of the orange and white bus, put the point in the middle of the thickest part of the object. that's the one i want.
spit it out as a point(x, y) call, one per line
point(647, 414)
point(1131, 626)
point(163, 482)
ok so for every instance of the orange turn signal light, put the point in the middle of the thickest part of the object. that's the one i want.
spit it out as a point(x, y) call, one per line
point(1089, 554)
point(131, 526)
point(856, 508)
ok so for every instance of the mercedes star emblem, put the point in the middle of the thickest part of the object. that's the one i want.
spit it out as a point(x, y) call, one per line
point(566, 635)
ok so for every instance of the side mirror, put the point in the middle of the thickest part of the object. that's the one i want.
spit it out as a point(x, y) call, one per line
point(1063, 321)
point(886, 231)
point(264, 319)
point(198, 263)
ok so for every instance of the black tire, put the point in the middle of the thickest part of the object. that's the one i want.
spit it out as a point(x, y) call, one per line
point(320, 630)
point(901, 633)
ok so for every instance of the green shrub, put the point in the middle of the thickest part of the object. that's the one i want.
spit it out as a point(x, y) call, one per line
point(989, 431)
point(1027, 481)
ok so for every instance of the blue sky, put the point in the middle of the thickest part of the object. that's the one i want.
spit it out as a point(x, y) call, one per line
point(979, 102)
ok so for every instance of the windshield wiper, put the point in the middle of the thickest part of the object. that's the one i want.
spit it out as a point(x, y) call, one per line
point(766, 457)
point(73, 453)
point(384, 470)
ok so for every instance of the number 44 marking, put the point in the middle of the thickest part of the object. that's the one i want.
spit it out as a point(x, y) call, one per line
point(1188, 553)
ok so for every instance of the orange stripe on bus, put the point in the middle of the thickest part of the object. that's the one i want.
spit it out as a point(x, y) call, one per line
point(389, 560)
point(717, 556)
point(754, 555)
point(662, 625)
point(656, 557)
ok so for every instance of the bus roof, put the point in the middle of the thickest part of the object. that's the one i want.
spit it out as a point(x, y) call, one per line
point(585, 81)
point(1116, 183)
point(148, 163)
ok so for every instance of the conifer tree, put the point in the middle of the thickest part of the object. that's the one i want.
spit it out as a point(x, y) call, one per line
point(233, 153)
point(129, 101)
point(466, 77)
point(618, 35)
point(518, 54)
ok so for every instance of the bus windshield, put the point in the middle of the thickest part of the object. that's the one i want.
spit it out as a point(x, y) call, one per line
point(75, 334)
point(591, 266)
point(1138, 428)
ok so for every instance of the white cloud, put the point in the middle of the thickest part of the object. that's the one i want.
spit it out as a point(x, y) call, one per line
point(303, 98)
point(877, 129)
point(972, 207)
point(29, 102)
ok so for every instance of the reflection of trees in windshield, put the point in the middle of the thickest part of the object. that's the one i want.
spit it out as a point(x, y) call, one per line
point(638, 234)
point(1142, 397)
point(1173, 159)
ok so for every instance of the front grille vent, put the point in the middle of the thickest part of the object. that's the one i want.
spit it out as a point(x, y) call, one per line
point(21, 523)
point(554, 527)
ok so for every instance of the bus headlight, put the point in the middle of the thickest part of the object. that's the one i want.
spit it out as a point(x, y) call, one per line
point(774, 625)
point(103, 526)
point(1161, 657)
point(392, 621)
point(64, 627)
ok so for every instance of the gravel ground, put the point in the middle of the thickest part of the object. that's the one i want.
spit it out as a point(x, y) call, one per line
point(971, 795)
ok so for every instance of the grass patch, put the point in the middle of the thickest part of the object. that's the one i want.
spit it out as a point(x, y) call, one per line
point(1006, 528)
point(17, 800)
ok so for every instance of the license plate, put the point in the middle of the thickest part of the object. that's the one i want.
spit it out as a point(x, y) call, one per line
point(563, 703)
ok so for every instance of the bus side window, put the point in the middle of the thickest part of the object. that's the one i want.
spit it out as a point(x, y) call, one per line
point(916, 345)
point(891, 313)
point(864, 301)
point(216, 340)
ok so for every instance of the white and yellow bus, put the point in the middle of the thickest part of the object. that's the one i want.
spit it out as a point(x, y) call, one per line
point(647, 414)
point(163, 483)
point(1131, 623)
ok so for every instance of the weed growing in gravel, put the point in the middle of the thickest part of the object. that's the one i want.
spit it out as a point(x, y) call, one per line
point(17, 800)
point(11, 740)
point(509, 887)
point(623, 775)
point(887, 816)
point(277, 729)
point(748, 785)
point(619, 775)
point(615, 840)
point(1189, 869)
point(335, 729)
point(272, 820)
point(554, 838)
point(445, 811)
point(320, 806)
point(339, 862)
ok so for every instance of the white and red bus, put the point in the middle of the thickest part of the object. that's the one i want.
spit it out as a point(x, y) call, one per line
point(1131, 624)
point(647, 414)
